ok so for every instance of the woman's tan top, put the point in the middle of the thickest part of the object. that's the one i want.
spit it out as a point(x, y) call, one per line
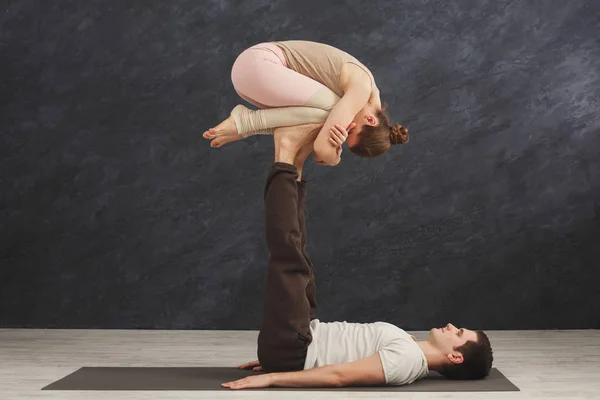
point(320, 62)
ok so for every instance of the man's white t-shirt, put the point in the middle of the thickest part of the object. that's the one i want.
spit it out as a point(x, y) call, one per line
point(343, 342)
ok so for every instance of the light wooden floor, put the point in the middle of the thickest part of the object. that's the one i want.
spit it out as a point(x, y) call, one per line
point(543, 364)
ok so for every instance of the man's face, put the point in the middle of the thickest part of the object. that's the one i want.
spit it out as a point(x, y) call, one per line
point(449, 337)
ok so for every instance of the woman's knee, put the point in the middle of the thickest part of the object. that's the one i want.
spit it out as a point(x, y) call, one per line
point(239, 71)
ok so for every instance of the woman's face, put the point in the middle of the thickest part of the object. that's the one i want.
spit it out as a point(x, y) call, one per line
point(366, 116)
point(352, 138)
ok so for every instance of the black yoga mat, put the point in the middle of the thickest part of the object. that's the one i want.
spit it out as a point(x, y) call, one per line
point(210, 378)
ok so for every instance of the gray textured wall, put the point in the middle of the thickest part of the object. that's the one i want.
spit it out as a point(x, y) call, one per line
point(116, 214)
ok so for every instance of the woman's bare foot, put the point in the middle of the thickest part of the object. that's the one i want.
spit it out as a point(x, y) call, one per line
point(225, 132)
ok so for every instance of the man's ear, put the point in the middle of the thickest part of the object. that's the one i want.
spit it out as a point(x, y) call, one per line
point(455, 358)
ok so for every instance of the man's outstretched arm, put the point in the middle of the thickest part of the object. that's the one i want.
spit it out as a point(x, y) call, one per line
point(368, 371)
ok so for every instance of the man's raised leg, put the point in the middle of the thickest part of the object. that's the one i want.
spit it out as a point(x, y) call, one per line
point(311, 288)
point(285, 330)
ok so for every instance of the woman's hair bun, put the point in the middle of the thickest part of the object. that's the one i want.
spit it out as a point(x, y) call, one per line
point(398, 134)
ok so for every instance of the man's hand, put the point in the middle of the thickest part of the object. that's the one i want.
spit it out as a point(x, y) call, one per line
point(255, 365)
point(250, 382)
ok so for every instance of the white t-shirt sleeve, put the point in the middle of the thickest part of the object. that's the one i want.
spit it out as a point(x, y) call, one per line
point(402, 362)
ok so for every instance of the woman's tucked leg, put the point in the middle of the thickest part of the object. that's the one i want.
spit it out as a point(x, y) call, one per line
point(262, 122)
point(284, 97)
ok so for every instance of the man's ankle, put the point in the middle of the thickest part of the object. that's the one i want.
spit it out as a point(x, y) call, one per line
point(285, 156)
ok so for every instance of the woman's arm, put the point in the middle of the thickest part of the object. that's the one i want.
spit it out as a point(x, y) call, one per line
point(355, 98)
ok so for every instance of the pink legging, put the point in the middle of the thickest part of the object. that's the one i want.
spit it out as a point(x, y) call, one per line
point(260, 76)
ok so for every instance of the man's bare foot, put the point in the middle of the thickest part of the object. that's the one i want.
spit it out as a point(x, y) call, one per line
point(225, 132)
point(301, 157)
point(294, 138)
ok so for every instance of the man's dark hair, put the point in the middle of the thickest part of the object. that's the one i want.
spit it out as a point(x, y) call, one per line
point(477, 360)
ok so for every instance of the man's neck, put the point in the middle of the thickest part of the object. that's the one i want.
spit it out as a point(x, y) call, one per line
point(435, 358)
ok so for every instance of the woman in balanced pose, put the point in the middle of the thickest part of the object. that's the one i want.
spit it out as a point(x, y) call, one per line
point(309, 85)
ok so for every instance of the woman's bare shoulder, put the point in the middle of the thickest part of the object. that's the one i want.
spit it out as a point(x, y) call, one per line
point(352, 75)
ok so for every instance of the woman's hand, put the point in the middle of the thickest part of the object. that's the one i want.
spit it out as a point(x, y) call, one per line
point(338, 152)
point(250, 382)
point(338, 137)
point(338, 134)
point(255, 365)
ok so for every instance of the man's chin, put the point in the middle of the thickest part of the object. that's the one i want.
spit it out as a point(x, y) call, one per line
point(433, 333)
